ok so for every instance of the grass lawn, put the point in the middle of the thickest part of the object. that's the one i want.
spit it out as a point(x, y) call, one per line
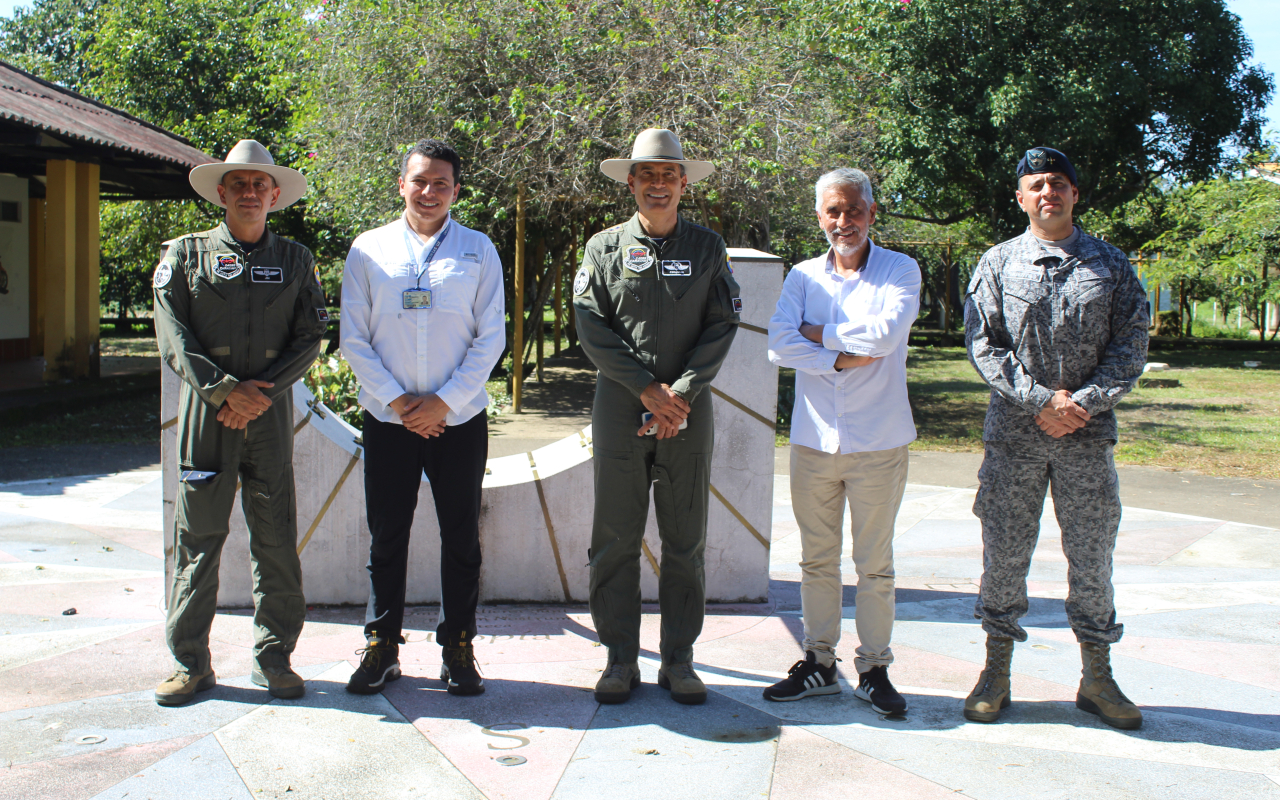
point(1223, 420)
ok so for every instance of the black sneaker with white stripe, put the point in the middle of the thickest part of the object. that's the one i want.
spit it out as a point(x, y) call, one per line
point(379, 664)
point(805, 678)
point(874, 687)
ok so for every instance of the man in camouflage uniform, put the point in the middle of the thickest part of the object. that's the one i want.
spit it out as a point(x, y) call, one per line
point(657, 308)
point(239, 315)
point(1056, 322)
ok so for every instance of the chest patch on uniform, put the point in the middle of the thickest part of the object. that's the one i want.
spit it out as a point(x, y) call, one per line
point(163, 273)
point(323, 314)
point(581, 281)
point(266, 274)
point(737, 305)
point(227, 266)
point(637, 258)
point(677, 269)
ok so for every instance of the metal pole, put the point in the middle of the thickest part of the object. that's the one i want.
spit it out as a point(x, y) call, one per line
point(517, 318)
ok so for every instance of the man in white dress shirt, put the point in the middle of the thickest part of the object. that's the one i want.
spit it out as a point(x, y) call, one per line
point(422, 327)
point(842, 323)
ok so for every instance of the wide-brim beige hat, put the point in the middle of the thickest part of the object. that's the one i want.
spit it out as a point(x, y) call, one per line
point(656, 144)
point(248, 154)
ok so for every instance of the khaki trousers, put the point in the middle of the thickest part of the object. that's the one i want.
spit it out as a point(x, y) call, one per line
point(872, 484)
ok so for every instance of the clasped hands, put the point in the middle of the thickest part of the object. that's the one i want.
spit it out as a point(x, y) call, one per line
point(244, 404)
point(844, 360)
point(1061, 415)
point(669, 410)
point(422, 414)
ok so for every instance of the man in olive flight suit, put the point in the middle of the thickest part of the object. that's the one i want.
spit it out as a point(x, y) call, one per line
point(239, 315)
point(657, 308)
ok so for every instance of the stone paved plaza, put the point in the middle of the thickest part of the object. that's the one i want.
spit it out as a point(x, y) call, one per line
point(1201, 655)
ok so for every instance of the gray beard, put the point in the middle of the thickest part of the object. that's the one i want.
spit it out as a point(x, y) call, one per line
point(842, 249)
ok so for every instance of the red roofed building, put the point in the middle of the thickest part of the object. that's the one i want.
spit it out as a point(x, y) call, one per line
point(60, 154)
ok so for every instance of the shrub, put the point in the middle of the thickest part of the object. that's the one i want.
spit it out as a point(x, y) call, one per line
point(334, 384)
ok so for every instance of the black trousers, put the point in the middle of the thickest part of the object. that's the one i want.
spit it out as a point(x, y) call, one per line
point(454, 463)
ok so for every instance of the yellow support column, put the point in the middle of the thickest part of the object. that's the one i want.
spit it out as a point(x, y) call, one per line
point(35, 277)
point(88, 310)
point(59, 282)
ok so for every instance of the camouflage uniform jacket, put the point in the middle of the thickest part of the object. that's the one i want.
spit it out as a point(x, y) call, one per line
point(1036, 323)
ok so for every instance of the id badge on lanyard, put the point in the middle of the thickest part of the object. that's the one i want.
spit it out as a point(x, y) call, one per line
point(417, 297)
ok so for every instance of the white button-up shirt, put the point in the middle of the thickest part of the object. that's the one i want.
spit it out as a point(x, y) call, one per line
point(859, 409)
point(448, 349)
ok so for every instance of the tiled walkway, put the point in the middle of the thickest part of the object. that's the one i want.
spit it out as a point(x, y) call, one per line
point(1201, 655)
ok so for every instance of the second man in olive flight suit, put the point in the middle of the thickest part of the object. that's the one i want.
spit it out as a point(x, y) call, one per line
point(239, 316)
point(657, 308)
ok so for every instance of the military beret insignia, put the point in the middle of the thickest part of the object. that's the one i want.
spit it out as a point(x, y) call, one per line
point(1037, 158)
point(581, 281)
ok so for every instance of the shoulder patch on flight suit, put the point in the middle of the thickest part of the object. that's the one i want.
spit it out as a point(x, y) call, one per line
point(323, 314)
point(164, 271)
point(581, 281)
point(737, 305)
point(227, 265)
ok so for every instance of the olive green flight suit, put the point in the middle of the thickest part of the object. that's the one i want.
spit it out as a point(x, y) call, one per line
point(222, 317)
point(649, 312)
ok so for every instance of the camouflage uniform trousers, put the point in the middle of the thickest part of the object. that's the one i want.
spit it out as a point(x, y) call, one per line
point(1086, 499)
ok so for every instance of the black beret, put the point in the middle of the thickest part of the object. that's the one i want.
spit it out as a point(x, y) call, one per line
point(1046, 159)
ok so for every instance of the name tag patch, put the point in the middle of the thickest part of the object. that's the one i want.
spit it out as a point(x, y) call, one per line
point(637, 258)
point(677, 269)
point(416, 298)
point(471, 257)
point(227, 266)
point(266, 274)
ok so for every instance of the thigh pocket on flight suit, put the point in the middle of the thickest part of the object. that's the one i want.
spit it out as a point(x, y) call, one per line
point(680, 490)
point(265, 522)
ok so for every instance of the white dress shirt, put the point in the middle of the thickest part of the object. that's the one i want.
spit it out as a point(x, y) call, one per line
point(859, 409)
point(448, 349)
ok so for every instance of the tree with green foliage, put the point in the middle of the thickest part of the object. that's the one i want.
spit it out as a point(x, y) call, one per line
point(535, 95)
point(1133, 91)
point(1222, 240)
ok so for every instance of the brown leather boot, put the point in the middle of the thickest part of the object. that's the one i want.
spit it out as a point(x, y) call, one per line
point(1099, 693)
point(991, 694)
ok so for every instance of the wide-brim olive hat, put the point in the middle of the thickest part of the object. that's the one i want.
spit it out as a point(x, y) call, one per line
point(656, 144)
point(248, 154)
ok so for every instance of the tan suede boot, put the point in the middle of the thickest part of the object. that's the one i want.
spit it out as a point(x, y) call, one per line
point(616, 683)
point(991, 694)
point(279, 681)
point(683, 683)
point(182, 686)
point(1099, 693)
